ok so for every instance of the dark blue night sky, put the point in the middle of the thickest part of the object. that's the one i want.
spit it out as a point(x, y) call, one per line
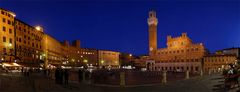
point(121, 25)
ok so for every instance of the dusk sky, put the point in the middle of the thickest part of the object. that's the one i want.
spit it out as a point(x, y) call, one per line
point(121, 25)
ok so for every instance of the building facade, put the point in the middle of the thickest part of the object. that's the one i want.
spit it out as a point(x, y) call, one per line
point(217, 62)
point(28, 43)
point(181, 53)
point(54, 51)
point(25, 44)
point(108, 58)
point(7, 45)
point(229, 51)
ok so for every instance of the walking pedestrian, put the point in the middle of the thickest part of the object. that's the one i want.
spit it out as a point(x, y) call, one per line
point(66, 75)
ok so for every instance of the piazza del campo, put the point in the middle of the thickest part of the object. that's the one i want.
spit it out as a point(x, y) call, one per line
point(31, 60)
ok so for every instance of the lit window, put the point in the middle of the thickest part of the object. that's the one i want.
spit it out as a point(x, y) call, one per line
point(4, 28)
point(4, 20)
point(10, 40)
point(10, 31)
point(4, 39)
point(9, 22)
point(40, 57)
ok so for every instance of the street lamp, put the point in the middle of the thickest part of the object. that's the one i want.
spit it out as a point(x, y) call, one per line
point(85, 61)
point(102, 61)
point(38, 28)
point(10, 45)
point(10, 52)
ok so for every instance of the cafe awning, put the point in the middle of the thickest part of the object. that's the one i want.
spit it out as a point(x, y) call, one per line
point(11, 64)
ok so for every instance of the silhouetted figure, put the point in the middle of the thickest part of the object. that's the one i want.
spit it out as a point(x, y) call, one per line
point(61, 76)
point(28, 72)
point(88, 76)
point(22, 70)
point(57, 72)
point(48, 72)
point(80, 75)
point(66, 75)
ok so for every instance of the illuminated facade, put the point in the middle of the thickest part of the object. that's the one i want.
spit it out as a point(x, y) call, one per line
point(108, 58)
point(54, 51)
point(7, 35)
point(88, 57)
point(218, 62)
point(25, 44)
point(181, 53)
point(229, 51)
point(64, 53)
point(29, 43)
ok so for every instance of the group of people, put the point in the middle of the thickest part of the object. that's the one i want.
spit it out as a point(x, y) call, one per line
point(61, 76)
point(84, 75)
point(231, 77)
point(26, 71)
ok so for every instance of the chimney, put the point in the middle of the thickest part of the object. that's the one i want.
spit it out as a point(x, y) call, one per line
point(76, 43)
point(184, 34)
point(169, 37)
point(66, 43)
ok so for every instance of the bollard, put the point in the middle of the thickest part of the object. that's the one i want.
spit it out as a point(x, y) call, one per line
point(209, 72)
point(122, 79)
point(164, 75)
point(83, 77)
point(201, 73)
point(187, 75)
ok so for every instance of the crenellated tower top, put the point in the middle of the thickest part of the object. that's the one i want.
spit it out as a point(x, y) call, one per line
point(152, 20)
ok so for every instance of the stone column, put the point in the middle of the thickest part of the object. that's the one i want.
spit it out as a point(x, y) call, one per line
point(187, 75)
point(201, 72)
point(209, 71)
point(164, 77)
point(122, 79)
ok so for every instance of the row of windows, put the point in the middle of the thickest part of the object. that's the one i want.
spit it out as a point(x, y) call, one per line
point(5, 51)
point(5, 40)
point(84, 52)
point(4, 20)
point(32, 36)
point(180, 60)
point(18, 24)
point(19, 39)
point(109, 53)
point(176, 43)
point(26, 54)
point(32, 45)
point(25, 37)
point(87, 53)
point(218, 60)
point(177, 51)
point(5, 29)
point(178, 68)
point(6, 13)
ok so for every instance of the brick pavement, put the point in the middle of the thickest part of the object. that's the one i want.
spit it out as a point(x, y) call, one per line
point(38, 83)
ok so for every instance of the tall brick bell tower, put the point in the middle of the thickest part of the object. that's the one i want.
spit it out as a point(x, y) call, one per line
point(152, 30)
